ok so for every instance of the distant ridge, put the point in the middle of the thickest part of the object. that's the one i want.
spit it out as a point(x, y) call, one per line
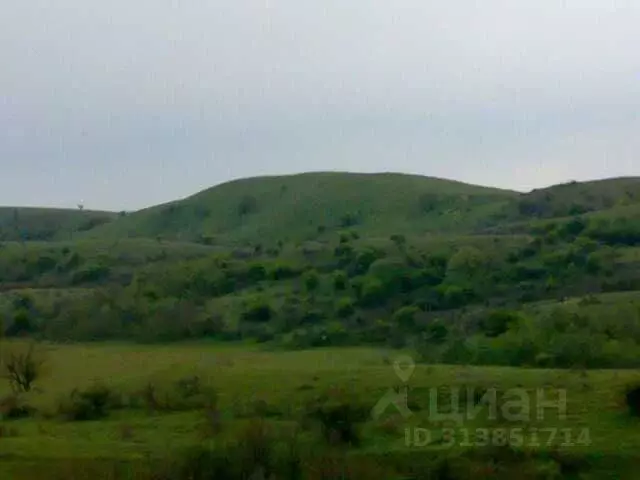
point(303, 205)
point(310, 205)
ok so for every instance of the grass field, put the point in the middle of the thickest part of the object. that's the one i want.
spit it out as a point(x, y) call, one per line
point(250, 381)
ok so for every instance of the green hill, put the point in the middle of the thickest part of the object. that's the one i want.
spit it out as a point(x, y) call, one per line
point(313, 206)
point(575, 198)
point(304, 206)
point(28, 224)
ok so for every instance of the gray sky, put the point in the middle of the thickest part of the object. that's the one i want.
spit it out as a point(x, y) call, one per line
point(123, 104)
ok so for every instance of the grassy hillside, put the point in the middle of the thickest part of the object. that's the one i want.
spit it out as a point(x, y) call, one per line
point(27, 224)
point(297, 207)
point(574, 198)
point(315, 205)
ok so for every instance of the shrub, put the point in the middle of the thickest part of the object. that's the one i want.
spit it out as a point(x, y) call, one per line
point(257, 272)
point(589, 299)
point(398, 239)
point(336, 334)
point(453, 296)
point(212, 419)
point(256, 453)
point(282, 271)
point(149, 397)
point(311, 280)
point(405, 317)
point(22, 366)
point(22, 302)
point(338, 419)
point(189, 387)
point(379, 332)
point(345, 307)
point(350, 219)
point(394, 274)
point(198, 463)
point(92, 403)
point(22, 324)
point(498, 322)
point(340, 280)
point(261, 408)
point(372, 293)
point(248, 204)
point(311, 316)
point(632, 398)
point(364, 260)
point(345, 253)
point(258, 311)
point(185, 394)
point(90, 273)
point(13, 407)
point(265, 335)
point(436, 332)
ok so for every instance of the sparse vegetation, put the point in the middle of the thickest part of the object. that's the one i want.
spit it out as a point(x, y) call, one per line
point(23, 364)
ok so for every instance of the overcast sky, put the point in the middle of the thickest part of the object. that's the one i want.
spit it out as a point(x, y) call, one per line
point(122, 104)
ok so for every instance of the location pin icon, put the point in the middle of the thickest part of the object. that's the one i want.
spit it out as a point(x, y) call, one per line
point(404, 367)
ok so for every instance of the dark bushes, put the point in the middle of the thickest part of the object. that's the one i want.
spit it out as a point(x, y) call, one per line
point(185, 394)
point(632, 398)
point(257, 453)
point(338, 420)
point(498, 322)
point(13, 407)
point(92, 403)
point(258, 311)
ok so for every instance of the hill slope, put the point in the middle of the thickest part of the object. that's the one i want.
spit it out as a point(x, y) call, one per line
point(303, 206)
point(24, 224)
point(600, 201)
point(576, 198)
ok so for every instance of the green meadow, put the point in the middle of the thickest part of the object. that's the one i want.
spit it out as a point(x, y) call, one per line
point(250, 383)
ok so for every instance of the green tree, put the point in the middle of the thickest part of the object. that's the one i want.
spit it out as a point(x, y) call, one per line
point(372, 292)
point(22, 324)
point(399, 240)
point(259, 310)
point(311, 280)
point(499, 321)
point(340, 280)
point(436, 332)
point(467, 263)
point(345, 307)
point(405, 317)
